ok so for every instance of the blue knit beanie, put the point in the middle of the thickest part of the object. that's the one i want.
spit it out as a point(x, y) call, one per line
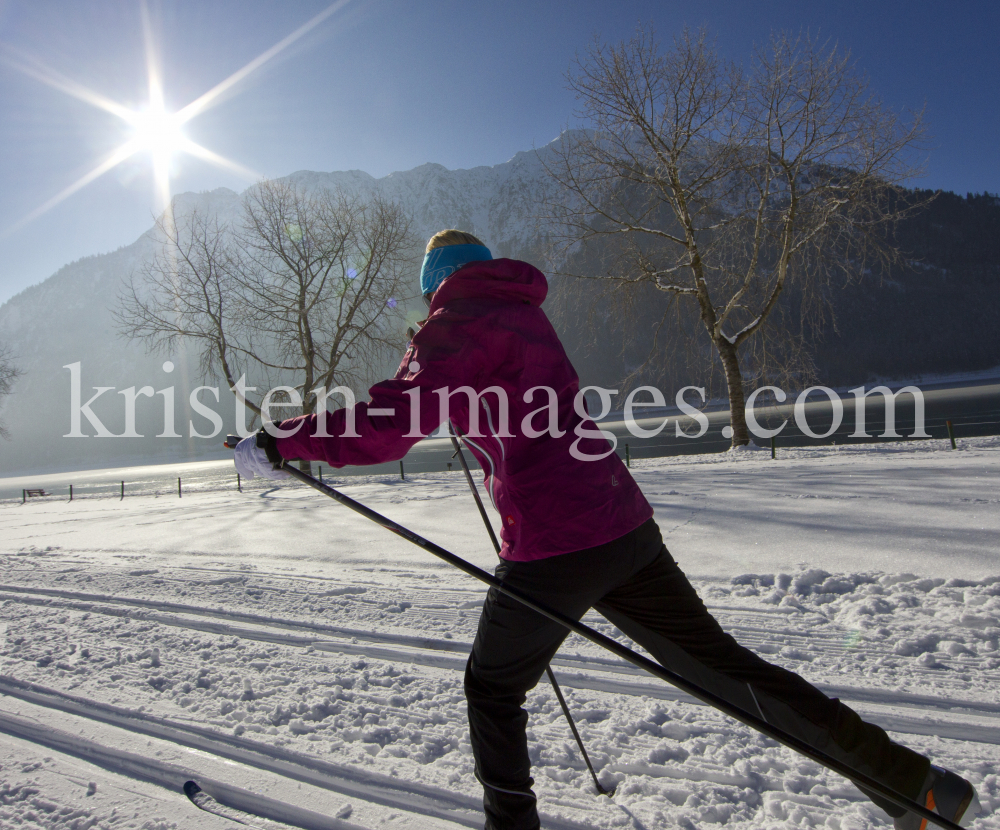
point(441, 263)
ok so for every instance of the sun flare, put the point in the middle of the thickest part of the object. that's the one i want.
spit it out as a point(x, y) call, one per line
point(155, 132)
point(158, 133)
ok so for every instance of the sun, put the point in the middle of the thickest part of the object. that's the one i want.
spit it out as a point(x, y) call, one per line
point(160, 134)
point(154, 131)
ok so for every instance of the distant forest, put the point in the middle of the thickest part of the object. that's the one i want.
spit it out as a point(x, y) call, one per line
point(938, 313)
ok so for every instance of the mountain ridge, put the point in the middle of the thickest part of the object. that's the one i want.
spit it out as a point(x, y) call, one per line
point(67, 317)
point(936, 316)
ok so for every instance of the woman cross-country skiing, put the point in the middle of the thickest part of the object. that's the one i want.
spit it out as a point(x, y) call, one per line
point(577, 532)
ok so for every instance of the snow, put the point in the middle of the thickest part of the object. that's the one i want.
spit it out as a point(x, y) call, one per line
point(67, 318)
point(277, 644)
point(52, 790)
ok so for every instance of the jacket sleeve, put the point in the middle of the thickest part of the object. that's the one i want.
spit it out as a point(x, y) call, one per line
point(396, 417)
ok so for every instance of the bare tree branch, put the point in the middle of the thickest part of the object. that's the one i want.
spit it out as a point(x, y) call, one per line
point(743, 193)
point(306, 290)
point(8, 374)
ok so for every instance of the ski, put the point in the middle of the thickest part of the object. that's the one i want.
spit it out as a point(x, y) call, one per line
point(203, 801)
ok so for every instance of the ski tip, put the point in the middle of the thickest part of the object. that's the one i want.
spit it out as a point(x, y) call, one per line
point(191, 789)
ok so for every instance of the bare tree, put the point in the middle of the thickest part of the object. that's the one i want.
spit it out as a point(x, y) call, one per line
point(305, 290)
point(8, 374)
point(742, 195)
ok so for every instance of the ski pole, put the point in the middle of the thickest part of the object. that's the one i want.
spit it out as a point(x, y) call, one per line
point(455, 435)
point(472, 485)
point(616, 648)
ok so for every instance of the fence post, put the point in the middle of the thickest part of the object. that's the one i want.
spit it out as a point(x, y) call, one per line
point(239, 484)
point(178, 486)
point(628, 458)
point(402, 475)
point(772, 446)
point(123, 492)
point(24, 495)
point(320, 473)
point(71, 492)
point(951, 435)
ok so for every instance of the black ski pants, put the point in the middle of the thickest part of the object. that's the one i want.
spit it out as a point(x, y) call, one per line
point(635, 583)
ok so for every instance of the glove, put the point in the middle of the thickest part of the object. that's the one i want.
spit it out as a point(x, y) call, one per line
point(252, 459)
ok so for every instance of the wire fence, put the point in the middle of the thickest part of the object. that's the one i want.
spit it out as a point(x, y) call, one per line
point(199, 479)
point(985, 423)
point(212, 477)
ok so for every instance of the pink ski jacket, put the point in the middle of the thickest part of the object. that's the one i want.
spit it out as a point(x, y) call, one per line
point(553, 478)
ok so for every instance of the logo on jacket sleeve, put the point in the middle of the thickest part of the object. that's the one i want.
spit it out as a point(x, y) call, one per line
point(614, 481)
point(510, 521)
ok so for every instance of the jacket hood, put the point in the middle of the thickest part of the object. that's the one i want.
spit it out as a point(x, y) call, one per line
point(508, 280)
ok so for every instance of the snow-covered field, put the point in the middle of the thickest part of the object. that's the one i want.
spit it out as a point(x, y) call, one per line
point(276, 646)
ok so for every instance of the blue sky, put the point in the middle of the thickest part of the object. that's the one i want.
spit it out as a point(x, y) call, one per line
point(384, 85)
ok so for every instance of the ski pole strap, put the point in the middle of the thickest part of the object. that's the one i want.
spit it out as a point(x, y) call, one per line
point(588, 633)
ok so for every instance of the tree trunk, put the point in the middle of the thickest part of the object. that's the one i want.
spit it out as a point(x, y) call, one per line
point(308, 405)
point(737, 402)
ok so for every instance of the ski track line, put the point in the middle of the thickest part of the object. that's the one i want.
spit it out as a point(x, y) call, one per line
point(212, 742)
point(371, 787)
point(428, 652)
point(167, 775)
point(256, 619)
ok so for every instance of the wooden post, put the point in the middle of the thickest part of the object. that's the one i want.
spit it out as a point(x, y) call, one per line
point(951, 435)
point(24, 496)
point(123, 492)
point(71, 492)
point(178, 486)
point(321, 473)
point(772, 446)
point(402, 475)
point(239, 484)
point(628, 458)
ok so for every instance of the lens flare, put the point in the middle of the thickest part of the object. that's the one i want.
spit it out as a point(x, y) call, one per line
point(155, 131)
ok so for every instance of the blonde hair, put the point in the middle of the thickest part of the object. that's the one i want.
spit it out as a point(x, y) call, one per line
point(451, 237)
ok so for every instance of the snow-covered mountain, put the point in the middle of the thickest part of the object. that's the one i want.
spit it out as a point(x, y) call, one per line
point(67, 318)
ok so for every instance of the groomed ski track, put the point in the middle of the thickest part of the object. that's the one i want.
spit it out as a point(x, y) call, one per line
point(368, 787)
point(107, 753)
point(272, 643)
point(970, 719)
point(940, 716)
point(170, 776)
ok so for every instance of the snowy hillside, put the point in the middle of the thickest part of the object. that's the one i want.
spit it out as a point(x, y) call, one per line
point(278, 647)
point(67, 317)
